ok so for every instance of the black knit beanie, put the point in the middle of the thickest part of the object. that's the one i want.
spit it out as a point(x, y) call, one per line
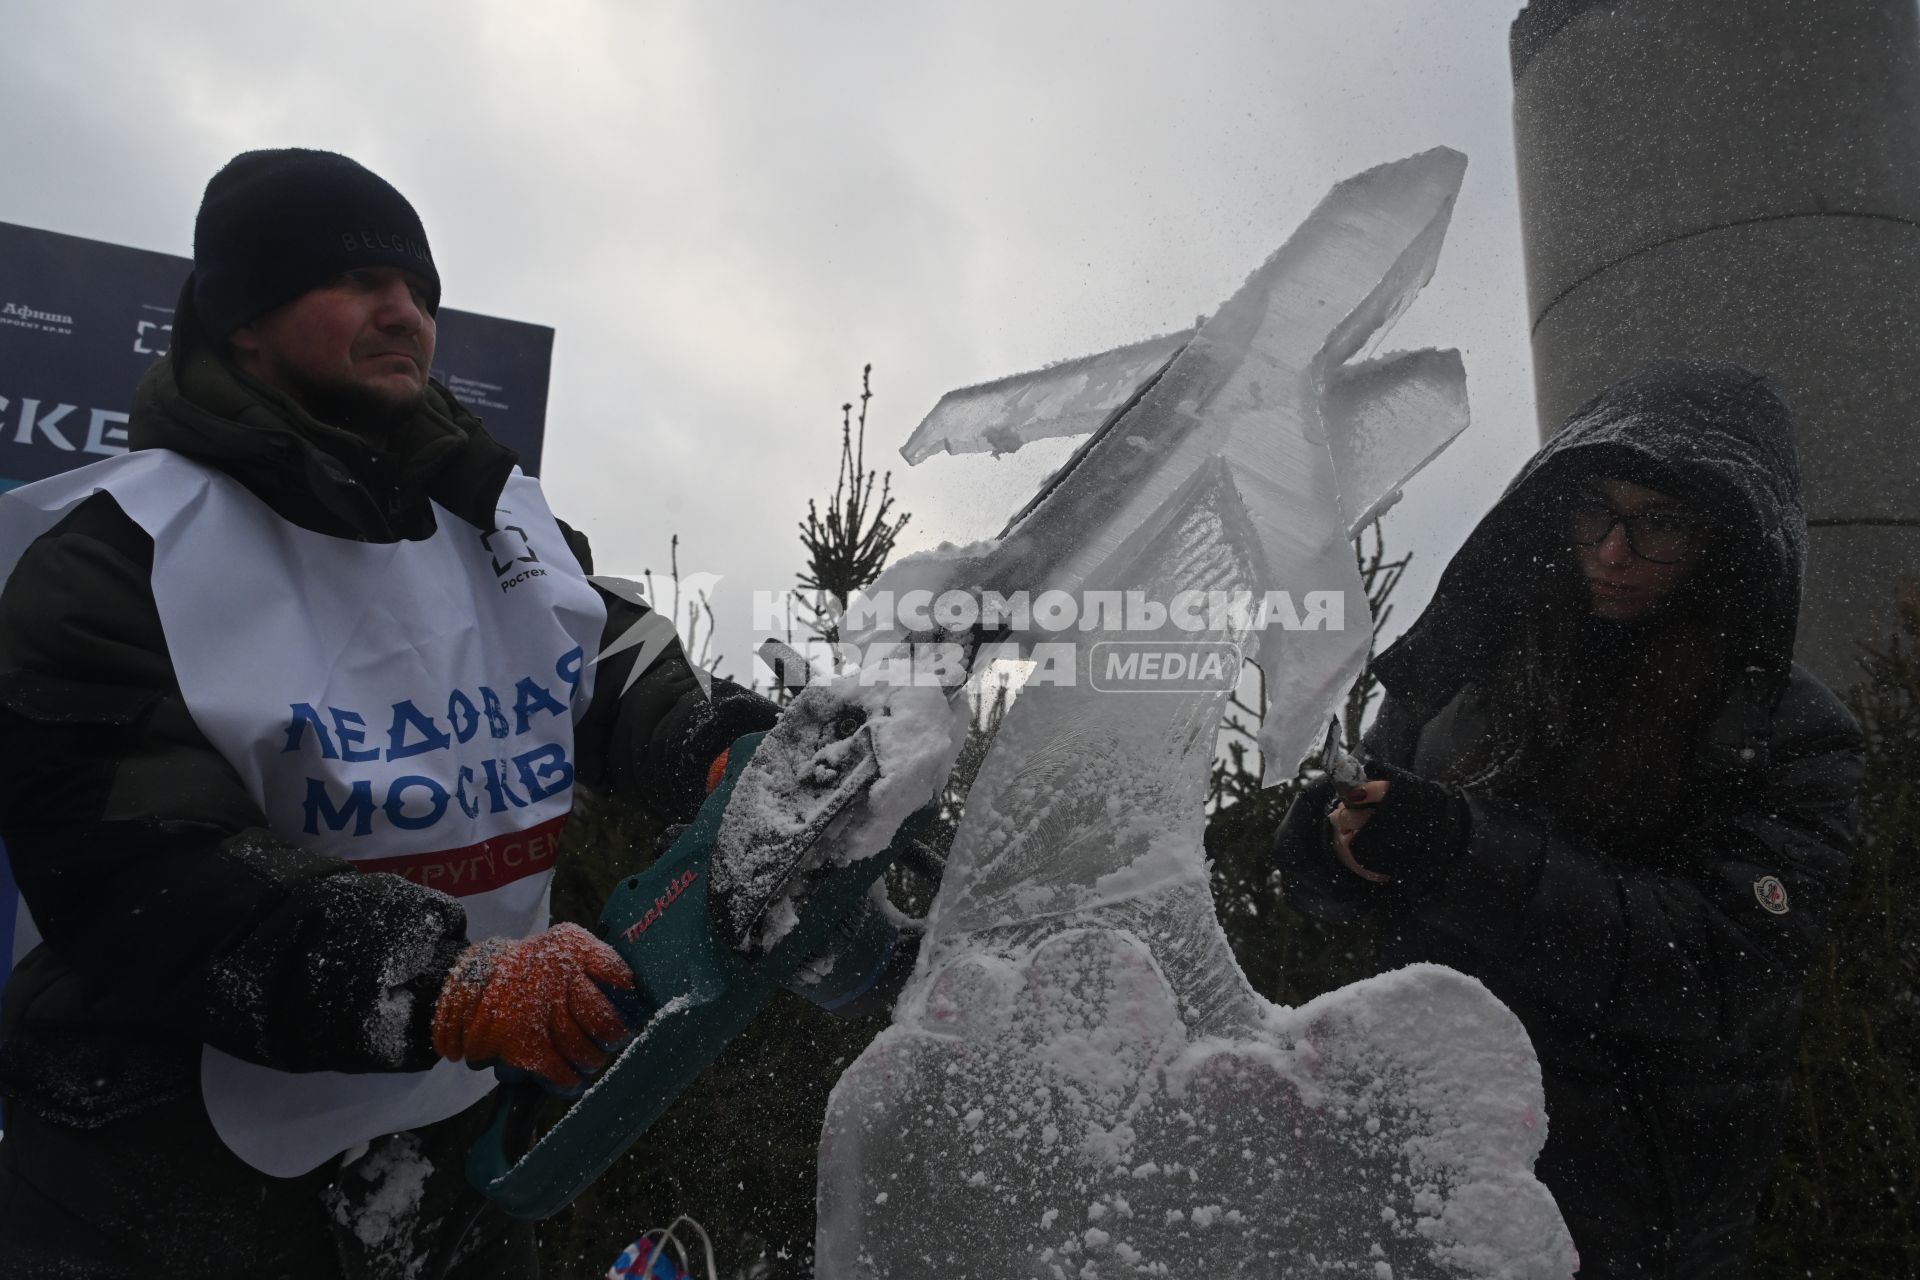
point(274, 224)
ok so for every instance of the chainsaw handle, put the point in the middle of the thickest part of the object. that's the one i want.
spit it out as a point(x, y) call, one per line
point(508, 1136)
point(519, 1097)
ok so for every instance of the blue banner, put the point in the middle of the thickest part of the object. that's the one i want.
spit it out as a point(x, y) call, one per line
point(81, 321)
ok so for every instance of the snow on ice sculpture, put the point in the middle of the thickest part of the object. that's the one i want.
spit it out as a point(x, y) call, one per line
point(1078, 1081)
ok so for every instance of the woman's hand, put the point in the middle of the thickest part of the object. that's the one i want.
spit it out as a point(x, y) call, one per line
point(1348, 817)
point(1412, 838)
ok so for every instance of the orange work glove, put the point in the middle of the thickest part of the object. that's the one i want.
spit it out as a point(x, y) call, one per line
point(717, 770)
point(532, 1004)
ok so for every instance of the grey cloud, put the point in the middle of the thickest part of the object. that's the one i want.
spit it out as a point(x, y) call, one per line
point(725, 210)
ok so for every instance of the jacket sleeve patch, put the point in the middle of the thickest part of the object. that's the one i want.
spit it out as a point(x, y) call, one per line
point(1771, 894)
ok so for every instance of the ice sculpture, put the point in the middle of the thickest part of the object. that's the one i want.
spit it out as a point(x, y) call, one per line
point(1079, 1081)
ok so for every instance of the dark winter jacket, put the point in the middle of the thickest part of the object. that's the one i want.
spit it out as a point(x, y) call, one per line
point(171, 916)
point(1661, 983)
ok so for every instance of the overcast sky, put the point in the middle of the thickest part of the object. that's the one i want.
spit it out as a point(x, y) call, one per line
point(725, 209)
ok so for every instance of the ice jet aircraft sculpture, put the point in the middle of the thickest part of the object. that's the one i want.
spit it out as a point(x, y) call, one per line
point(1078, 1081)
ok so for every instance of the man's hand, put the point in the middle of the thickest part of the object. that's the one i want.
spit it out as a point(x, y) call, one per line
point(1346, 820)
point(534, 1004)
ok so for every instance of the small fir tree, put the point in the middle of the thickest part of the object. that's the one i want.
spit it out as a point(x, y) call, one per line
point(1845, 1200)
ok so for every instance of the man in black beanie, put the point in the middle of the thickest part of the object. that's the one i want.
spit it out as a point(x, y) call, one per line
point(318, 275)
point(294, 695)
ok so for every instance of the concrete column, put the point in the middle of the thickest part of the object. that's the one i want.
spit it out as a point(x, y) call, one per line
point(1740, 179)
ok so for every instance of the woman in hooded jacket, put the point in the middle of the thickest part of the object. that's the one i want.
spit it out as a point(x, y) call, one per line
point(1600, 784)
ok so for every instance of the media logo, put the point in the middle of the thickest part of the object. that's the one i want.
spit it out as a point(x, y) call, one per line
point(22, 316)
point(1158, 666)
point(654, 634)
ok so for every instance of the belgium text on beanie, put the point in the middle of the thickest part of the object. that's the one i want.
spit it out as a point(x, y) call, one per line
point(274, 224)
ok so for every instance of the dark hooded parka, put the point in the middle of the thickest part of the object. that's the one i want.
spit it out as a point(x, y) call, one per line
point(1645, 882)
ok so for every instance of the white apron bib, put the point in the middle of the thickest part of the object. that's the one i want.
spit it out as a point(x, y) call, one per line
point(408, 706)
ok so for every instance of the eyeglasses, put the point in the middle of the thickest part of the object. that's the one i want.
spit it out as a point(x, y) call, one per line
point(1660, 536)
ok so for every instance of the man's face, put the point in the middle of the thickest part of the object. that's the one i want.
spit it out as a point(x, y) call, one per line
point(354, 352)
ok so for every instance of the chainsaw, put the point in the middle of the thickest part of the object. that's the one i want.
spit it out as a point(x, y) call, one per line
point(775, 885)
